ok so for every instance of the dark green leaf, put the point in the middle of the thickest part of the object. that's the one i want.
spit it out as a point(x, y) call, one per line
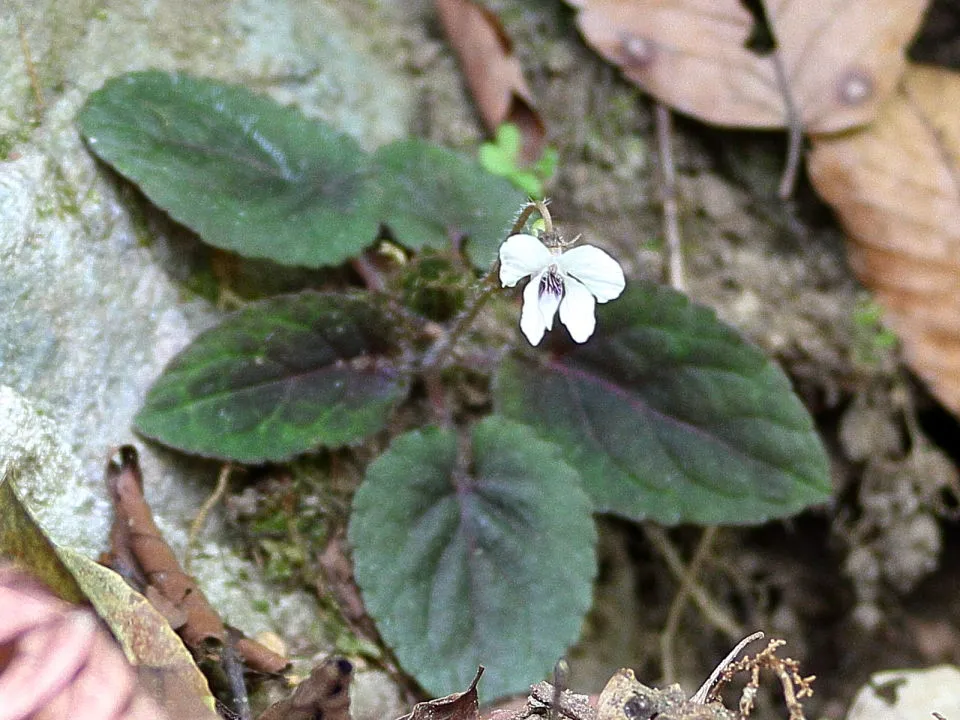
point(668, 414)
point(279, 378)
point(430, 194)
point(245, 173)
point(480, 560)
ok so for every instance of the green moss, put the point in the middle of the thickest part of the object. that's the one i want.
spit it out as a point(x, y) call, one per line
point(11, 140)
point(284, 559)
point(7, 143)
point(203, 283)
point(433, 286)
point(62, 201)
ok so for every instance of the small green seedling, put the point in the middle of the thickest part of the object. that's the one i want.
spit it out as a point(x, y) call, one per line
point(872, 339)
point(502, 157)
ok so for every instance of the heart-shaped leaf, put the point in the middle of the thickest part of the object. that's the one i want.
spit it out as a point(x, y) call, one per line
point(246, 173)
point(668, 414)
point(279, 378)
point(430, 195)
point(477, 555)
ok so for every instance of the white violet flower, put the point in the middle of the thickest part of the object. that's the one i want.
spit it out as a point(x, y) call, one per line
point(571, 280)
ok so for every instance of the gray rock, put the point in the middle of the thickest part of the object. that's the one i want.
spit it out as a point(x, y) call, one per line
point(91, 309)
point(907, 694)
point(44, 469)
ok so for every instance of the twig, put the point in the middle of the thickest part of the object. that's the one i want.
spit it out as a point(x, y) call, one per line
point(233, 669)
point(795, 687)
point(372, 278)
point(201, 519)
point(794, 131)
point(715, 614)
point(31, 70)
point(560, 672)
point(668, 199)
point(703, 694)
point(789, 696)
point(687, 581)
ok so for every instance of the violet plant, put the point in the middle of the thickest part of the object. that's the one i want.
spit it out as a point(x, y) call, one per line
point(472, 533)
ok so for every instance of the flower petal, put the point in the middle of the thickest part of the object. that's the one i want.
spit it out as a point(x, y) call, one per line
point(531, 319)
point(549, 294)
point(522, 255)
point(576, 310)
point(600, 273)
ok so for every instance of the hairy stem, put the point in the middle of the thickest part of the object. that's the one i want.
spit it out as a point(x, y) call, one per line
point(435, 356)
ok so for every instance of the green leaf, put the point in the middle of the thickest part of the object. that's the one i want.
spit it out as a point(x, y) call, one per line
point(485, 559)
point(279, 378)
point(546, 166)
point(246, 173)
point(429, 195)
point(668, 414)
point(510, 140)
point(493, 160)
point(528, 182)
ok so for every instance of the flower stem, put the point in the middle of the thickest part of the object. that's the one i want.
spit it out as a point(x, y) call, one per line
point(442, 347)
point(541, 207)
point(486, 287)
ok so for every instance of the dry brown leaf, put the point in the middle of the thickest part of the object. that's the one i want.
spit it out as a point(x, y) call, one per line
point(324, 694)
point(458, 706)
point(896, 188)
point(165, 669)
point(62, 654)
point(138, 550)
point(57, 662)
point(493, 72)
point(840, 60)
point(143, 544)
point(337, 581)
point(24, 542)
